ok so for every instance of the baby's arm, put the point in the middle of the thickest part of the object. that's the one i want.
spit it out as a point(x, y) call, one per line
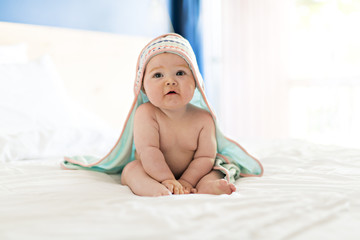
point(205, 154)
point(147, 143)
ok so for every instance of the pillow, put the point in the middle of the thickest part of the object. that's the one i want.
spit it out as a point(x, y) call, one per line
point(39, 119)
point(13, 53)
point(55, 143)
point(30, 96)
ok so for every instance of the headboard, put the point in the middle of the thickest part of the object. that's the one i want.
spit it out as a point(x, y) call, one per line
point(98, 69)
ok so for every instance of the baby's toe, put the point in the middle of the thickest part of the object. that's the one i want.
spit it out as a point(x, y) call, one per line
point(232, 187)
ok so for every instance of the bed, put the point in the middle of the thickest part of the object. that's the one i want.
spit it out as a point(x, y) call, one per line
point(65, 92)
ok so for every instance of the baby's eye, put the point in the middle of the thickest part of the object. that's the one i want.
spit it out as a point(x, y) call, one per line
point(158, 75)
point(180, 73)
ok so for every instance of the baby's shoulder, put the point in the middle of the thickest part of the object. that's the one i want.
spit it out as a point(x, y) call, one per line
point(145, 109)
point(201, 114)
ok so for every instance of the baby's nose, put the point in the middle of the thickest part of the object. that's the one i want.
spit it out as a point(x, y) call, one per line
point(171, 82)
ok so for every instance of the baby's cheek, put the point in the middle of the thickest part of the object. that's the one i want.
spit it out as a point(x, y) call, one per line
point(153, 98)
point(190, 93)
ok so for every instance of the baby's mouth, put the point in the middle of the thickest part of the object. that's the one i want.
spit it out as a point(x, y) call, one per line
point(171, 92)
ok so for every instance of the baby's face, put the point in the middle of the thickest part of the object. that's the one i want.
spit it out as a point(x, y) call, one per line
point(168, 81)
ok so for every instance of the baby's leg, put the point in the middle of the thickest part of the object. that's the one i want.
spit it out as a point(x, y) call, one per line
point(213, 183)
point(135, 177)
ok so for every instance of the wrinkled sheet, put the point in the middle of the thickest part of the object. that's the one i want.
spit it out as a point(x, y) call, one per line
point(308, 191)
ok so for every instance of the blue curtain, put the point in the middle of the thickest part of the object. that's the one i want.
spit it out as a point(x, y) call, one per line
point(184, 15)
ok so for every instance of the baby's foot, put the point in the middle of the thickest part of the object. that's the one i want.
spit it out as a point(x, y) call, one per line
point(217, 187)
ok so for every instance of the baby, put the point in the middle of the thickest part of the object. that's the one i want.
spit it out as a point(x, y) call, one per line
point(175, 140)
point(171, 143)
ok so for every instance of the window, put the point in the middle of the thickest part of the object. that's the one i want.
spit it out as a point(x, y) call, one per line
point(324, 71)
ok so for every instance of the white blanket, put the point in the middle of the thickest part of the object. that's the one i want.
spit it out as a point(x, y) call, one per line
point(307, 192)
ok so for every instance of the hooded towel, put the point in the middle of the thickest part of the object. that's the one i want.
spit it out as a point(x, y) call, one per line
point(231, 158)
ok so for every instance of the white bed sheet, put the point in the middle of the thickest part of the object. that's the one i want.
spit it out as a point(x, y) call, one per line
point(307, 192)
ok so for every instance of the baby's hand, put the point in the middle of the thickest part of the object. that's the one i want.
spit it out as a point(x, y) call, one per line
point(188, 188)
point(174, 186)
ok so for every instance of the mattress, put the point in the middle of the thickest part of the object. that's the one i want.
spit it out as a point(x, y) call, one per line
point(308, 191)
